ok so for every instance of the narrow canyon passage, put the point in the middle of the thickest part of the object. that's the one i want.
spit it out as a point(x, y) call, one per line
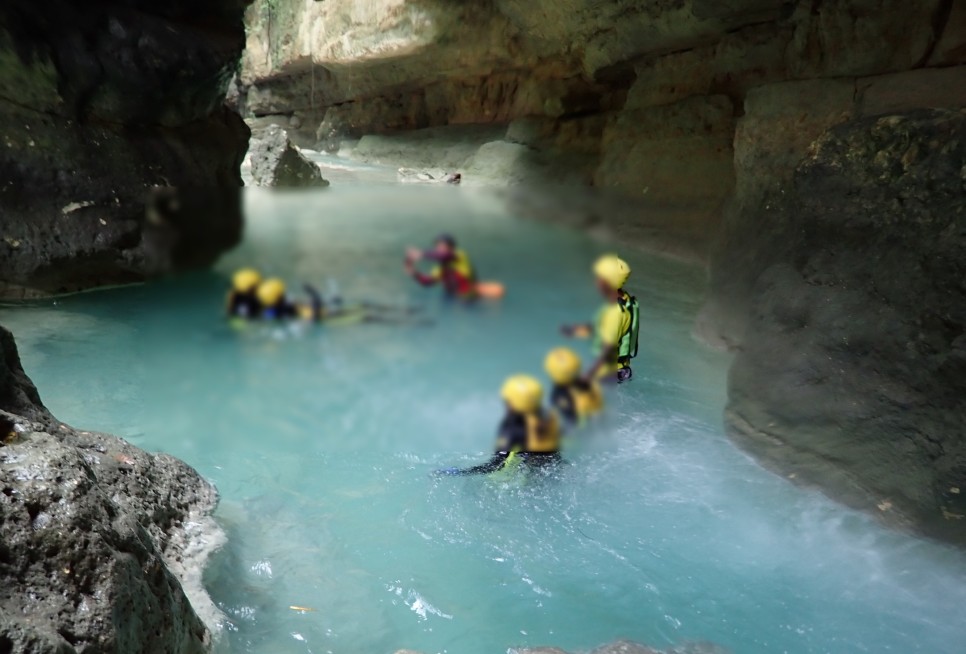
point(321, 441)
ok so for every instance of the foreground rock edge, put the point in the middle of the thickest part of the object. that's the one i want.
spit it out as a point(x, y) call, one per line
point(102, 545)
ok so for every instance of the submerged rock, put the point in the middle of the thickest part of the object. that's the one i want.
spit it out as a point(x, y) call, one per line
point(93, 534)
point(852, 369)
point(624, 647)
point(413, 176)
point(276, 161)
point(630, 647)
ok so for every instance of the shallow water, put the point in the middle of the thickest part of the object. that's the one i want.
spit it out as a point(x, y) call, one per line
point(321, 441)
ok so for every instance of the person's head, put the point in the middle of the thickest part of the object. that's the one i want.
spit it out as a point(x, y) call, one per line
point(245, 280)
point(444, 246)
point(562, 365)
point(271, 292)
point(522, 393)
point(611, 273)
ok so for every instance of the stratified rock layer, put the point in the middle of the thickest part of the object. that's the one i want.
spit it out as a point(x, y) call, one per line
point(852, 369)
point(117, 159)
point(649, 100)
point(90, 530)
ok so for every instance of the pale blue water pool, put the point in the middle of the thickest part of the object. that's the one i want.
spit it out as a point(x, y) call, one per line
point(321, 441)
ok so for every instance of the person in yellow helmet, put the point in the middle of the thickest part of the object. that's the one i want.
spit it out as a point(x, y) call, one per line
point(242, 299)
point(617, 326)
point(276, 305)
point(573, 397)
point(270, 301)
point(527, 432)
point(453, 269)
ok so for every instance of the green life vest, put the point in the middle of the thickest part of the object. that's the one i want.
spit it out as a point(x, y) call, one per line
point(627, 346)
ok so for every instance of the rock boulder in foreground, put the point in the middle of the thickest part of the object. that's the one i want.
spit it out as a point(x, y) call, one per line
point(94, 534)
point(852, 369)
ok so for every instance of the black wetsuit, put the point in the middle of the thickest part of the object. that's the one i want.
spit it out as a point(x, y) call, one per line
point(563, 400)
point(244, 305)
point(285, 309)
point(512, 437)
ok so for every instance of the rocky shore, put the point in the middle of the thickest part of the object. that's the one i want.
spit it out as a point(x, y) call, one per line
point(101, 544)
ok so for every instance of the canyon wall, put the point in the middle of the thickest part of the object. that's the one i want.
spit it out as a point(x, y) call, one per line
point(118, 160)
point(659, 102)
point(748, 134)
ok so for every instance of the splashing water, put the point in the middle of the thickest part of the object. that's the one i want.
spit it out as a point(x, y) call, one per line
point(321, 441)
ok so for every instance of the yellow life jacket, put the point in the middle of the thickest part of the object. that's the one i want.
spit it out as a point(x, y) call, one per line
point(462, 265)
point(543, 433)
point(587, 402)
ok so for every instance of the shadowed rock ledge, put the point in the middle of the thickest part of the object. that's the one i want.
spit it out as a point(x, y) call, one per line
point(117, 159)
point(94, 534)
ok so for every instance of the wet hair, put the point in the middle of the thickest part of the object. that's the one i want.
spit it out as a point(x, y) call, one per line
point(447, 239)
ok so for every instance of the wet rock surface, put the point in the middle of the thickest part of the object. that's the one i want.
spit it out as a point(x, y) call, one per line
point(91, 530)
point(117, 159)
point(277, 162)
point(852, 368)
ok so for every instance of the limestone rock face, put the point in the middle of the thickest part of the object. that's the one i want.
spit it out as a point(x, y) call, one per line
point(641, 98)
point(117, 160)
point(91, 529)
point(854, 351)
point(277, 162)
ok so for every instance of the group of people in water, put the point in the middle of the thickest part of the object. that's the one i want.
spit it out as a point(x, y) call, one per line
point(530, 433)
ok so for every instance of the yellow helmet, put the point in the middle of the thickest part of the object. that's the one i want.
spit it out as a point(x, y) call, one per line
point(523, 393)
point(613, 270)
point(271, 291)
point(563, 365)
point(245, 280)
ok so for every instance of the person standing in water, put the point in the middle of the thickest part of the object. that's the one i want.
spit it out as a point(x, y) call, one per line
point(452, 268)
point(616, 328)
point(527, 434)
point(575, 399)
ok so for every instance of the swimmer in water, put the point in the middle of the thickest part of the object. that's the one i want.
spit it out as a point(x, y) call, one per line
point(527, 434)
point(453, 268)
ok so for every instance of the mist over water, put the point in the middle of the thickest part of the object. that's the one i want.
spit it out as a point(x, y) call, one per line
point(321, 441)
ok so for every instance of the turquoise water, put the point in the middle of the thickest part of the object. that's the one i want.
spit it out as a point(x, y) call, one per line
point(321, 441)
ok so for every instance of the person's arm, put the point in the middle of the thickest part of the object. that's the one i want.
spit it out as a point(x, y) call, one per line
point(607, 352)
point(610, 334)
point(563, 401)
point(511, 438)
point(492, 465)
point(582, 330)
point(409, 265)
